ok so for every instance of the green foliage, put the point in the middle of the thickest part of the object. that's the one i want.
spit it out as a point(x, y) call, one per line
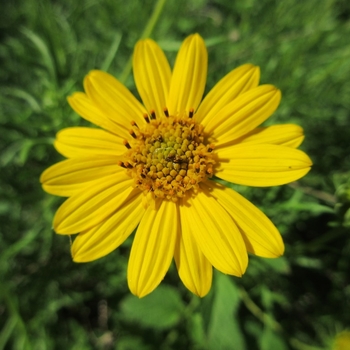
point(160, 310)
point(223, 327)
point(299, 301)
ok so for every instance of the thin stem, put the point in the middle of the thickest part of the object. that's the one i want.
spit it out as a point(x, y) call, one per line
point(257, 312)
point(315, 193)
point(145, 34)
point(268, 320)
point(21, 334)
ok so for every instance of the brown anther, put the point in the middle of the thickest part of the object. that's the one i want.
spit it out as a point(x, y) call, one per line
point(133, 123)
point(126, 144)
point(121, 164)
point(190, 115)
point(146, 117)
point(166, 112)
point(211, 147)
point(132, 133)
point(128, 165)
point(153, 114)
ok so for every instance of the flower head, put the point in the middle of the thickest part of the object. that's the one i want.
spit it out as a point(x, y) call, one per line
point(151, 166)
point(342, 341)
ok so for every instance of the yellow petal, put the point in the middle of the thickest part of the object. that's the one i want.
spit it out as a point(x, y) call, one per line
point(93, 204)
point(216, 234)
point(114, 99)
point(88, 110)
point(153, 248)
point(259, 233)
point(243, 114)
point(70, 176)
point(106, 237)
point(289, 135)
point(194, 268)
point(189, 76)
point(226, 90)
point(152, 75)
point(261, 165)
point(83, 142)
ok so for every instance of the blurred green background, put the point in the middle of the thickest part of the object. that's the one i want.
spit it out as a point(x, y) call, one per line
point(300, 301)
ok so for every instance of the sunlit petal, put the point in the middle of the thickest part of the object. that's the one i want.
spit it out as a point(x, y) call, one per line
point(194, 268)
point(93, 204)
point(260, 235)
point(216, 234)
point(153, 248)
point(289, 135)
point(189, 76)
point(152, 75)
point(114, 99)
point(262, 165)
point(243, 114)
point(82, 142)
point(70, 176)
point(88, 110)
point(110, 234)
point(226, 90)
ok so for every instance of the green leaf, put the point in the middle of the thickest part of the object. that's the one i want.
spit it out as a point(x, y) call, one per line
point(280, 265)
point(42, 47)
point(131, 343)
point(271, 340)
point(197, 332)
point(111, 52)
point(224, 331)
point(161, 309)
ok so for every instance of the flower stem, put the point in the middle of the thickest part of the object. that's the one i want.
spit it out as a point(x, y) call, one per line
point(145, 34)
point(324, 196)
point(271, 322)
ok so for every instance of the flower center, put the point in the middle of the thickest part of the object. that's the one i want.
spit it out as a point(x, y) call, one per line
point(168, 156)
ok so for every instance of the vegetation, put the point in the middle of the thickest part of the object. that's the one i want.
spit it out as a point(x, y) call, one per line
point(300, 301)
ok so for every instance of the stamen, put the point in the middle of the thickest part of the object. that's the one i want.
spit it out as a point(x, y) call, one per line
point(191, 113)
point(126, 144)
point(211, 147)
point(133, 123)
point(132, 133)
point(153, 114)
point(121, 164)
point(128, 165)
point(166, 112)
point(146, 117)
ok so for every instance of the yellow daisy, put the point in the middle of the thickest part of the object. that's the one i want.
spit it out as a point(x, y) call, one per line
point(342, 341)
point(151, 166)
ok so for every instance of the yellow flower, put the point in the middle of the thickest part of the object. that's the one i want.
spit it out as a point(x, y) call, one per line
point(152, 166)
point(342, 341)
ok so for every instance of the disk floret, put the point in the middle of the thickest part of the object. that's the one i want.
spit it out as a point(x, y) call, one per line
point(168, 157)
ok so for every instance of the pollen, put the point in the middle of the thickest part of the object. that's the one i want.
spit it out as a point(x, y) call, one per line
point(169, 156)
